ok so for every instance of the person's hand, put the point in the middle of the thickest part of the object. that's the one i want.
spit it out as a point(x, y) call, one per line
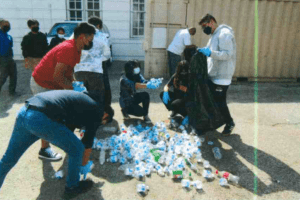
point(150, 85)
point(185, 121)
point(206, 51)
point(166, 97)
point(84, 170)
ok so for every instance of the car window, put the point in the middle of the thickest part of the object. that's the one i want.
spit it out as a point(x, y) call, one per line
point(69, 29)
point(105, 29)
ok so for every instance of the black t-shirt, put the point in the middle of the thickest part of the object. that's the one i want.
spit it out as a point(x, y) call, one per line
point(74, 108)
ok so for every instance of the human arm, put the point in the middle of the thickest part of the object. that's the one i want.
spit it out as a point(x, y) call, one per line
point(60, 78)
point(140, 86)
point(24, 46)
point(226, 47)
point(106, 51)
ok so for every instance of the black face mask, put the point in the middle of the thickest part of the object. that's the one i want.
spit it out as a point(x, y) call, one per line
point(207, 30)
point(88, 47)
point(35, 29)
point(5, 29)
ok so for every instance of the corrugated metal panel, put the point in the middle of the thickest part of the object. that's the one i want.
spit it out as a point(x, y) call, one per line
point(279, 32)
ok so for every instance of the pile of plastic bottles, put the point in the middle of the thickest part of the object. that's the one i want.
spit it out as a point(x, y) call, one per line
point(144, 150)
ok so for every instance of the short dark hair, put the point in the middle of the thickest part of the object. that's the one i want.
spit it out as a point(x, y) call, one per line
point(60, 29)
point(206, 19)
point(84, 28)
point(31, 22)
point(94, 20)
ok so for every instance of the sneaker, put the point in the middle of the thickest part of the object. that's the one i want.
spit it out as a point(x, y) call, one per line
point(83, 187)
point(228, 129)
point(172, 115)
point(125, 115)
point(49, 154)
point(147, 119)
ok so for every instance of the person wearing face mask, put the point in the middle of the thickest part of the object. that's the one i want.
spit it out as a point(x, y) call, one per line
point(55, 71)
point(90, 70)
point(7, 64)
point(221, 61)
point(129, 100)
point(34, 45)
point(181, 41)
point(59, 38)
point(175, 100)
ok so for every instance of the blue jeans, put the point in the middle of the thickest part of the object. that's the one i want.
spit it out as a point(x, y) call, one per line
point(32, 125)
point(173, 60)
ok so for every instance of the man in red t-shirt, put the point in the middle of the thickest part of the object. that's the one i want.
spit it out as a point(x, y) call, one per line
point(55, 71)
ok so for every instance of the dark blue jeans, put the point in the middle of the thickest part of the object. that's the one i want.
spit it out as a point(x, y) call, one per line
point(32, 125)
point(173, 60)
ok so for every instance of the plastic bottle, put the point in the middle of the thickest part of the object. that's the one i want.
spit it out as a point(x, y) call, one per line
point(185, 183)
point(59, 175)
point(206, 164)
point(230, 177)
point(217, 153)
point(223, 182)
point(128, 172)
point(102, 157)
point(197, 184)
point(142, 188)
point(207, 174)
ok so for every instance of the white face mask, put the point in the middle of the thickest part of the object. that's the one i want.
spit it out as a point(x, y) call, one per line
point(60, 35)
point(136, 70)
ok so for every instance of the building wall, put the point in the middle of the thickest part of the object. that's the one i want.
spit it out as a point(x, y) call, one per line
point(116, 15)
point(278, 33)
point(17, 12)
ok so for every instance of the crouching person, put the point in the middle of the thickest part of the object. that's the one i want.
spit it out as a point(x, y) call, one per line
point(129, 100)
point(48, 116)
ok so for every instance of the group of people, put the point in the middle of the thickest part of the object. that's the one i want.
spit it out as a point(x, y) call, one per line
point(55, 110)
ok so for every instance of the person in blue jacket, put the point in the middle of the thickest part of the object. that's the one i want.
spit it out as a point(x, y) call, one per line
point(8, 67)
point(129, 100)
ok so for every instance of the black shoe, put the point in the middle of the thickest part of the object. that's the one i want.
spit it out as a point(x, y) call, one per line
point(125, 114)
point(172, 115)
point(49, 154)
point(228, 129)
point(83, 187)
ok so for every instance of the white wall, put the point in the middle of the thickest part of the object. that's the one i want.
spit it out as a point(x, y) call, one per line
point(17, 12)
point(116, 16)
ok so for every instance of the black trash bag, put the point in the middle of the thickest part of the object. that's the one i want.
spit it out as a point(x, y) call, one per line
point(203, 112)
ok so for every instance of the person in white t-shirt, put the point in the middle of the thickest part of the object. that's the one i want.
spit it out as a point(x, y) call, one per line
point(91, 69)
point(181, 41)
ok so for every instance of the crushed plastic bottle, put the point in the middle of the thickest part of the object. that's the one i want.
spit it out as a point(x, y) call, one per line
point(217, 153)
point(185, 183)
point(206, 164)
point(230, 177)
point(142, 188)
point(207, 174)
point(102, 157)
point(223, 182)
point(197, 184)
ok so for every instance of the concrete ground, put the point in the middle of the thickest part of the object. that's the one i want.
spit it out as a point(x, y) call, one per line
point(263, 149)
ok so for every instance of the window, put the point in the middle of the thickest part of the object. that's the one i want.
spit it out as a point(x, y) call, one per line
point(75, 10)
point(93, 8)
point(81, 10)
point(137, 18)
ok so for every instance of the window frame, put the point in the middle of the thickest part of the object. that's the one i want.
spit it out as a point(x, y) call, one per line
point(132, 12)
point(84, 10)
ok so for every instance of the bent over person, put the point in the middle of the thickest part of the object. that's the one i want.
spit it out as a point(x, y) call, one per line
point(47, 116)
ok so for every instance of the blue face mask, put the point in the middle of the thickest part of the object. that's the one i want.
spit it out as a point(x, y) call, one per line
point(136, 70)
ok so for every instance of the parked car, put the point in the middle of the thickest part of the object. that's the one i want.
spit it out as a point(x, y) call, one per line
point(69, 27)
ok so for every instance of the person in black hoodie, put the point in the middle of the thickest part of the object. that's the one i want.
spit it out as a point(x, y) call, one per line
point(175, 100)
point(59, 37)
point(34, 45)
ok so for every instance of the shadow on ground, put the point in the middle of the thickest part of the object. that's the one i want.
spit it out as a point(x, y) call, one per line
point(282, 177)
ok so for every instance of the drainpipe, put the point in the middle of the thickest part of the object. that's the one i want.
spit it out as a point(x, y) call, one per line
point(168, 32)
point(151, 37)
